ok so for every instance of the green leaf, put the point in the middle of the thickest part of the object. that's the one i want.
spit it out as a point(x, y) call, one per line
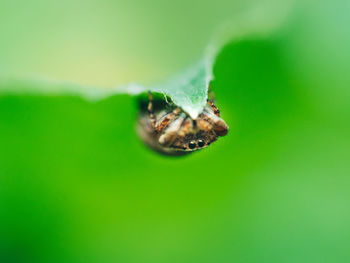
point(188, 89)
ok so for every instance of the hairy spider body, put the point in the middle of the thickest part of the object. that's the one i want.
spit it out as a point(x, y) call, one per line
point(169, 130)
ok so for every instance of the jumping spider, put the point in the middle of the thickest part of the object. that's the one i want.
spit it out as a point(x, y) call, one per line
point(167, 129)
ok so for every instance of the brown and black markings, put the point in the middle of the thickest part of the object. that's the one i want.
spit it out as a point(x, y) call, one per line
point(169, 130)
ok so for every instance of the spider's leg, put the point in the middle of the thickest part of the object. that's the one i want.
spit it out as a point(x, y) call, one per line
point(150, 110)
point(219, 125)
point(214, 108)
point(168, 119)
point(171, 127)
point(211, 101)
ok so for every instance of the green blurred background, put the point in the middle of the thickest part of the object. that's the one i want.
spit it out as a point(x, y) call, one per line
point(77, 185)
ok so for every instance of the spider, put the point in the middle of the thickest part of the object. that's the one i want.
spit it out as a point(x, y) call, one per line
point(167, 129)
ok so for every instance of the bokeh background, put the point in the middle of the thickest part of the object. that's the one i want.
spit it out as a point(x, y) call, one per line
point(77, 185)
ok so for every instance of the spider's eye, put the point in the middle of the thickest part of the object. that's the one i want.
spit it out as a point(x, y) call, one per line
point(192, 145)
point(200, 143)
